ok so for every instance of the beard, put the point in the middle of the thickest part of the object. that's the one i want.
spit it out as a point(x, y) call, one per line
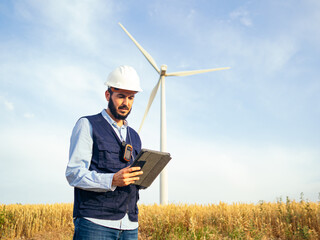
point(114, 112)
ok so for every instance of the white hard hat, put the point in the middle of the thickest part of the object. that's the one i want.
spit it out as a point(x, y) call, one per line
point(124, 77)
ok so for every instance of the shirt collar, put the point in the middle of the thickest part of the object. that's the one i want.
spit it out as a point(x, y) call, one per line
point(111, 121)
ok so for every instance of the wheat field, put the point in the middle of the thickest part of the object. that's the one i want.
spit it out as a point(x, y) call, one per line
point(279, 220)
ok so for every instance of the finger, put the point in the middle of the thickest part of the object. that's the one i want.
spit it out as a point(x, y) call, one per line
point(133, 169)
point(135, 179)
point(126, 170)
point(133, 174)
point(132, 180)
point(130, 176)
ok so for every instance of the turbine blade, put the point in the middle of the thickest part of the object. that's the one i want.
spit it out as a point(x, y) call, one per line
point(151, 98)
point(186, 73)
point(144, 52)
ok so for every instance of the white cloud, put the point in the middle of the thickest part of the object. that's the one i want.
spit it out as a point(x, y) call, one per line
point(76, 22)
point(28, 115)
point(9, 105)
point(243, 16)
point(48, 83)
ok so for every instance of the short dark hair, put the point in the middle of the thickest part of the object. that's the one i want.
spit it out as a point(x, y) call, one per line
point(110, 91)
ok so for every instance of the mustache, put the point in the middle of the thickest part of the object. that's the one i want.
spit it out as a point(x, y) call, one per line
point(124, 107)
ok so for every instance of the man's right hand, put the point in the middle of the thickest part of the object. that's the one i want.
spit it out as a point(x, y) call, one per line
point(126, 176)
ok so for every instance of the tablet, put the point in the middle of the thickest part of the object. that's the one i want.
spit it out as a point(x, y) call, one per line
point(151, 162)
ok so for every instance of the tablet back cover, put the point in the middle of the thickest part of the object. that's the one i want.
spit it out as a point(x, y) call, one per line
point(151, 162)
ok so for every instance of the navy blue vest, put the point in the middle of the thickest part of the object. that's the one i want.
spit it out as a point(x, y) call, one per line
point(106, 158)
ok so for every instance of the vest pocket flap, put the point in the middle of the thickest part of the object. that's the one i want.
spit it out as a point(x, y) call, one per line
point(110, 157)
point(109, 147)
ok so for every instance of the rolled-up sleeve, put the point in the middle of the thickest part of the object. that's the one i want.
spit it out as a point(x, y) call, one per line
point(80, 154)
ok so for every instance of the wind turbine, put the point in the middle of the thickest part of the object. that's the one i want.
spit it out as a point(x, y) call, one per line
point(163, 125)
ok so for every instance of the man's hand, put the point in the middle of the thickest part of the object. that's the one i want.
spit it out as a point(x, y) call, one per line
point(126, 176)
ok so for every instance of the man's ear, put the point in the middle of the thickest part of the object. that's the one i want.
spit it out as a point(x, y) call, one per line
point(107, 93)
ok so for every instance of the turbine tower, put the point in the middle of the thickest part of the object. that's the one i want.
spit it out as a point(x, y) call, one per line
point(163, 125)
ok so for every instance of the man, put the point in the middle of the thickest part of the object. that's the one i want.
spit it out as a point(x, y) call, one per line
point(105, 200)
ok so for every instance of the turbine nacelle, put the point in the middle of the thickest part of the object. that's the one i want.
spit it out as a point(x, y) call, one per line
point(163, 70)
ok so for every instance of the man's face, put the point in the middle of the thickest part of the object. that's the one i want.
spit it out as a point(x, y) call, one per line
point(120, 103)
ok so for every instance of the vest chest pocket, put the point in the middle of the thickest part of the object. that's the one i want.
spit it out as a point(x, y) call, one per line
point(110, 157)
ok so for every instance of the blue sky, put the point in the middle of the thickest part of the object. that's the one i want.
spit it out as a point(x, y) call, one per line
point(242, 135)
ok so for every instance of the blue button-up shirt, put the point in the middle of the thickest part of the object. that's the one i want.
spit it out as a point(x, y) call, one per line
point(78, 173)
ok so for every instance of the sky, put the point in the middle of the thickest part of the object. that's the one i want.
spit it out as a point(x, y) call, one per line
point(243, 135)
